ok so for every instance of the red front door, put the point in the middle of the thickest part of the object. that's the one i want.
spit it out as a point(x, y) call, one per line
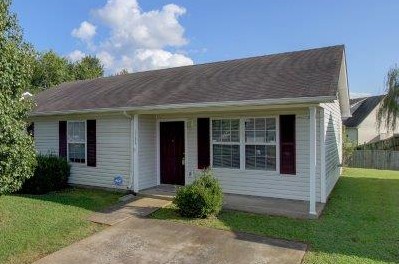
point(172, 152)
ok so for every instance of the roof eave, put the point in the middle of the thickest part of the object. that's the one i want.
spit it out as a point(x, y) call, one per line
point(193, 106)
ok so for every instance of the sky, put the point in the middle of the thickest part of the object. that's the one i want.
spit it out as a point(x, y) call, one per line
point(141, 35)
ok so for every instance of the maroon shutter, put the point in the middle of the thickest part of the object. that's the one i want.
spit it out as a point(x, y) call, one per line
point(203, 143)
point(62, 139)
point(91, 143)
point(287, 144)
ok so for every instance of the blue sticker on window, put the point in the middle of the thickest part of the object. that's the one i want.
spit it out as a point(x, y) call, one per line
point(118, 180)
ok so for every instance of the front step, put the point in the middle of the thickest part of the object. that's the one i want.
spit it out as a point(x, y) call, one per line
point(165, 196)
point(163, 192)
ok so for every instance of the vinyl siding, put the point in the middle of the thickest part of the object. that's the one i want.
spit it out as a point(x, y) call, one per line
point(258, 182)
point(113, 154)
point(46, 137)
point(333, 144)
point(147, 152)
point(113, 149)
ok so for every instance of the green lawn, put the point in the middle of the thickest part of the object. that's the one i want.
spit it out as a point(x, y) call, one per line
point(359, 225)
point(32, 226)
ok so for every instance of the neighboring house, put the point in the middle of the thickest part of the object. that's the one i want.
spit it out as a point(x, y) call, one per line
point(268, 126)
point(362, 127)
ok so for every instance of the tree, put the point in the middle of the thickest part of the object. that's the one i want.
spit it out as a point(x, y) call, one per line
point(89, 67)
point(388, 112)
point(17, 154)
point(122, 72)
point(50, 70)
point(348, 148)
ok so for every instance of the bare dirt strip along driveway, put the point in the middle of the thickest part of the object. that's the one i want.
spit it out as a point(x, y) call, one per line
point(139, 240)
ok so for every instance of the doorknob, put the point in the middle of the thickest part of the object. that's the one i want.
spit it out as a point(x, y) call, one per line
point(183, 161)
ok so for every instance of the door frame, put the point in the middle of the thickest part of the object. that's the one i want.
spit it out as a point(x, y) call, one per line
point(158, 142)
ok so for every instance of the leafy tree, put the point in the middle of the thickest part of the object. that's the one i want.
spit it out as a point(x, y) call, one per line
point(89, 67)
point(348, 147)
point(17, 154)
point(388, 113)
point(50, 70)
point(122, 72)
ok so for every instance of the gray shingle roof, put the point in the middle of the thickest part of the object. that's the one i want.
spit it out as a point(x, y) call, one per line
point(308, 73)
point(361, 108)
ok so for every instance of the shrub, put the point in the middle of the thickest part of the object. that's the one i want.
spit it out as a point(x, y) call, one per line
point(200, 199)
point(17, 152)
point(51, 174)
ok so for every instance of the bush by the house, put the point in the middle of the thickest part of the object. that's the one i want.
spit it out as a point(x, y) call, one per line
point(200, 199)
point(51, 174)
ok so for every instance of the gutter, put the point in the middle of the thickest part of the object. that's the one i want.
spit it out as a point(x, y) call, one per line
point(260, 102)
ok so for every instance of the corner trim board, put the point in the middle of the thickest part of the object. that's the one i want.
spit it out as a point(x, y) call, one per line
point(312, 160)
point(323, 195)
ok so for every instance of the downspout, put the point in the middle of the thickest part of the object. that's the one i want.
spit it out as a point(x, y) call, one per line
point(131, 149)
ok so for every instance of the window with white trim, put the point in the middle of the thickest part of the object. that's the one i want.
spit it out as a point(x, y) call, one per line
point(77, 141)
point(226, 143)
point(260, 143)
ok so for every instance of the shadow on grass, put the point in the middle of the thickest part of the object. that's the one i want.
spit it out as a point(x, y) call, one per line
point(360, 222)
point(89, 199)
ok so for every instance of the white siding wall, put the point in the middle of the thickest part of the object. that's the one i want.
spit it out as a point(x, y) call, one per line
point(46, 137)
point(257, 182)
point(113, 153)
point(333, 143)
point(147, 152)
point(113, 149)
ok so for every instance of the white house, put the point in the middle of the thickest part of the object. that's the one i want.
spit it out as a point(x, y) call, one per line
point(269, 126)
point(362, 127)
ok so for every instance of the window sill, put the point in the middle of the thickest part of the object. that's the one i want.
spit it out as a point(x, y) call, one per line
point(274, 173)
point(77, 164)
point(288, 175)
point(222, 169)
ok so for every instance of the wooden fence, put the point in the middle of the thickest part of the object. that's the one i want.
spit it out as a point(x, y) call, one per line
point(391, 143)
point(375, 159)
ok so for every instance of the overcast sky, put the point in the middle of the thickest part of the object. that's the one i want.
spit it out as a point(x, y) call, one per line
point(143, 35)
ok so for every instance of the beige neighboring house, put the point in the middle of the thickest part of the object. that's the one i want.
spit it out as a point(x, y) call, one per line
point(362, 127)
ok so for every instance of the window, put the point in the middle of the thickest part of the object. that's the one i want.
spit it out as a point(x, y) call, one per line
point(253, 138)
point(77, 141)
point(226, 143)
point(260, 143)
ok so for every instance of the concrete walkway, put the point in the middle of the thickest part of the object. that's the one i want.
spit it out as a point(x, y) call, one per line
point(138, 240)
point(133, 207)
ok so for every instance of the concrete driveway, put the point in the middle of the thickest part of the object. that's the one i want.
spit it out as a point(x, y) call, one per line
point(138, 240)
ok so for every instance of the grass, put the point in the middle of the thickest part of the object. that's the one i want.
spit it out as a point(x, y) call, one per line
point(32, 226)
point(360, 223)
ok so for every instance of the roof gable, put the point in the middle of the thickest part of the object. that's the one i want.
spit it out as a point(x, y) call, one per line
point(300, 74)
